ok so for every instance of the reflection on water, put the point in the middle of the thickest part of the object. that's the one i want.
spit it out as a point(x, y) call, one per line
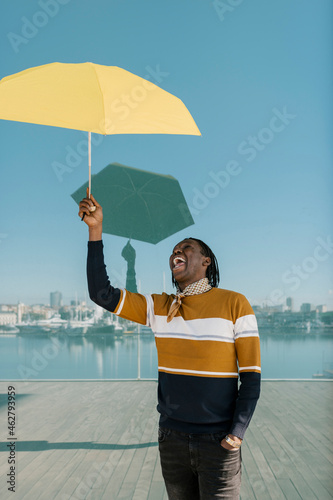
point(131, 356)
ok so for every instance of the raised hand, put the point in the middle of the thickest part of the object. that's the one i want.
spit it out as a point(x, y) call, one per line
point(92, 211)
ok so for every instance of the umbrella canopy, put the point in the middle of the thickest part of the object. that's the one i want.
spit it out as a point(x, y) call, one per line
point(137, 204)
point(94, 98)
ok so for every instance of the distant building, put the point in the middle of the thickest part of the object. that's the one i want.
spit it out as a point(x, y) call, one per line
point(38, 308)
point(8, 318)
point(20, 311)
point(272, 309)
point(321, 309)
point(55, 299)
point(306, 307)
point(289, 304)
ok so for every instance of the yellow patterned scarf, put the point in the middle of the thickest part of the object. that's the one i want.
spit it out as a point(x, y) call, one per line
point(196, 288)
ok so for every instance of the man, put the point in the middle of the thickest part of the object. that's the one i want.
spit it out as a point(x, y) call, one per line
point(206, 340)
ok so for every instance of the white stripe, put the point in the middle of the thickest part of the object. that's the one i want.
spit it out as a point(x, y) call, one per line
point(195, 371)
point(219, 327)
point(122, 302)
point(249, 368)
point(185, 336)
point(245, 324)
point(150, 310)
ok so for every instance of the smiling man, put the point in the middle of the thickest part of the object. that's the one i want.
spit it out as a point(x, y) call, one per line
point(207, 341)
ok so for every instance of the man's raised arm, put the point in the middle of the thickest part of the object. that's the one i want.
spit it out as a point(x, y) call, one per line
point(100, 290)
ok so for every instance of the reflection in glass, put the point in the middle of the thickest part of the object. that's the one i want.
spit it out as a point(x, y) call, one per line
point(133, 355)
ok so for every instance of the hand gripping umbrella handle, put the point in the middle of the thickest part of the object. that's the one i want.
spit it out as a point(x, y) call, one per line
point(91, 209)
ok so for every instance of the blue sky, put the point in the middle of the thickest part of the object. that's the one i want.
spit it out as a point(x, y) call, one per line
point(256, 77)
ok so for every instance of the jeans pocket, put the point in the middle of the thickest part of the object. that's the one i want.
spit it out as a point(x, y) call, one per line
point(162, 434)
point(218, 436)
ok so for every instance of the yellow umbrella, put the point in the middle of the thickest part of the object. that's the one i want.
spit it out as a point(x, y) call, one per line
point(93, 98)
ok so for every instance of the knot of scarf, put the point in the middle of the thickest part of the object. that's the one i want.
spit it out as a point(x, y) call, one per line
point(196, 288)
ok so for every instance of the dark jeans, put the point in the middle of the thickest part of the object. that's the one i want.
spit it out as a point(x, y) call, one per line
point(197, 467)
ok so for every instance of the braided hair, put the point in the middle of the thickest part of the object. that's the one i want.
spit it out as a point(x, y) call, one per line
point(212, 273)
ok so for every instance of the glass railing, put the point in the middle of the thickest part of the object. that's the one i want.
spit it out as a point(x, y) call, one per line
point(129, 352)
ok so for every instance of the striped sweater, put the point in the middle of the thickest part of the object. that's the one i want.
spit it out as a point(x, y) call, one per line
point(209, 346)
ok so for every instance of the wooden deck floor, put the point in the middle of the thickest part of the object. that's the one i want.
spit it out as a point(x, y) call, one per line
point(98, 440)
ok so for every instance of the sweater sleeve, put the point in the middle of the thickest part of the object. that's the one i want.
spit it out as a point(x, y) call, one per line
point(128, 305)
point(248, 357)
point(100, 289)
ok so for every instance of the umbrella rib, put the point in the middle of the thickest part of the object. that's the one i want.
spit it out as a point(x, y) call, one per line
point(155, 194)
point(125, 199)
point(130, 179)
point(148, 212)
point(137, 191)
point(121, 187)
point(146, 184)
point(140, 195)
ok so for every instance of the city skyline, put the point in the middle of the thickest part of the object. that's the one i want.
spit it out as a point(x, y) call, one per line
point(56, 302)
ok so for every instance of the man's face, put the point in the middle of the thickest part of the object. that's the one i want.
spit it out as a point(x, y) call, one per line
point(187, 263)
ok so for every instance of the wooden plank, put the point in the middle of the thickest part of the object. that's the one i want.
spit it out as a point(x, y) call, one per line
point(98, 440)
point(288, 489)
point(301, 486)
point(157, 491)
point(246, 491)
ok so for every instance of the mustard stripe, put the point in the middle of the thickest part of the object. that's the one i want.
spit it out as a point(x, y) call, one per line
point(179, 326)
point(216, 301)
point(179, 370)
point(248, 351)
point(198, 356)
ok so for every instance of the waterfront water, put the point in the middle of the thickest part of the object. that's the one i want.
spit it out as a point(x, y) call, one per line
point(106, 356)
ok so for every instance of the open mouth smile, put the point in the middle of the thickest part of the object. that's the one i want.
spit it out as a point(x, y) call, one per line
point(178, 262)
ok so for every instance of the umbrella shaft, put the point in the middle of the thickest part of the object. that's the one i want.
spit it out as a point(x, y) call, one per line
point(89, 160)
